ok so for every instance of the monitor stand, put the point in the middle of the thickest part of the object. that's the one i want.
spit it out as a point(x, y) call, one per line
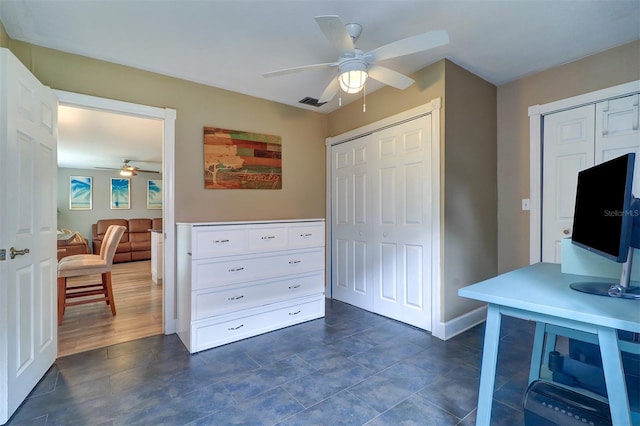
point(622, 290)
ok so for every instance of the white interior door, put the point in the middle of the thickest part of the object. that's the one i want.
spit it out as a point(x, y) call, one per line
point(381, 222)
point(28, 294)
point(568, 148)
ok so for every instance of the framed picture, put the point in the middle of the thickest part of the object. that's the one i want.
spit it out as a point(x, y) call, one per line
point(120, 193)
point(154, 193)
point(235, 159)
point(80, 192)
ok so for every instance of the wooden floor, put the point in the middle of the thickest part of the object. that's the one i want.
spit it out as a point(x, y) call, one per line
point(139, 311)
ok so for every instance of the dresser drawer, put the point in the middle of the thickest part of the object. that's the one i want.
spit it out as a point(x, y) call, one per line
point(207, 303)
point(268, 238)
point(218, 272)
point(218, 331)
point(306, 235)
point(213, 241)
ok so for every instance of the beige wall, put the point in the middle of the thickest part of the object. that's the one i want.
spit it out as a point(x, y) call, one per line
point(470, 187)
point(605, 69)
point(303, 133)
point(4, 37)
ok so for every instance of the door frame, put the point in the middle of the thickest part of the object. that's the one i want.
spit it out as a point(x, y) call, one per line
point(433, 108)
point(536, 122)
point(168, 117)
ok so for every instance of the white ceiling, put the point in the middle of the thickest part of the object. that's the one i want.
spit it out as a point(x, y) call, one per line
point(229, 44)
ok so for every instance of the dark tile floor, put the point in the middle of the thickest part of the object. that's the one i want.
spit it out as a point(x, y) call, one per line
point(350, 368)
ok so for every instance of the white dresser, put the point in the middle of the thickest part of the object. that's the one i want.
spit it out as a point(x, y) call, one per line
point(240, 279)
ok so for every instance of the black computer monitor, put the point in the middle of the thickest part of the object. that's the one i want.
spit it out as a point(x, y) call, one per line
point(605, 212)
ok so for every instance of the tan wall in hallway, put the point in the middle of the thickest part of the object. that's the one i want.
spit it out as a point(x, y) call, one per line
point(599, 71)
point(4, 37)
point(303, 133)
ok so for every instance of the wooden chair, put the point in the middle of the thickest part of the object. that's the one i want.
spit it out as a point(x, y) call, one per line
point(89, 264)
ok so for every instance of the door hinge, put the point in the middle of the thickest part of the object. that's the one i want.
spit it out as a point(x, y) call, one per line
point(3, 255)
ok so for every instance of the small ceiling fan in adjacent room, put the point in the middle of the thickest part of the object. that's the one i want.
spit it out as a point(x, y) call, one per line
point(128, 170)
point(355, 66)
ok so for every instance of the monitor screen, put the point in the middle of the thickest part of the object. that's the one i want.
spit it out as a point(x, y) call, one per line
point(603, 217)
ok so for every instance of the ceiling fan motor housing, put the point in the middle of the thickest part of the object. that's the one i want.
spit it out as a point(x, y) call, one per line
point(354, 30)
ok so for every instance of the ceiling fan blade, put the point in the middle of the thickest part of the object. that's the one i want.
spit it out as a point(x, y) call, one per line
point(335, 31)
point(407, 46)
point(330, 91)
point(299, 69)
point(389, 77)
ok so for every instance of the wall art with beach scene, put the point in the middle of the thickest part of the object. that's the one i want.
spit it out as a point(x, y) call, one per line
point(80, 192)
point(235, 159)
point(154, 193)
point(120, 193)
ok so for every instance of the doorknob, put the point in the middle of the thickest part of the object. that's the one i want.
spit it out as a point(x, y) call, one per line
point(13, 252)
point(566, 232)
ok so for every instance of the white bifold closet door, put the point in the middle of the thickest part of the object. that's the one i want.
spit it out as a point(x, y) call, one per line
point(381, 222)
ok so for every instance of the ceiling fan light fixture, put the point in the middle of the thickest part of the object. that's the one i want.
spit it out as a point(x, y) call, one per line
point(126, 173)
point(353, 75)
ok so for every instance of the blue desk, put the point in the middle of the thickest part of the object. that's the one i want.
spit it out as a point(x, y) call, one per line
point(541, 293)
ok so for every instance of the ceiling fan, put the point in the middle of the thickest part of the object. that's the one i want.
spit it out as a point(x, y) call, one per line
point(128, 170)
point(355, 66)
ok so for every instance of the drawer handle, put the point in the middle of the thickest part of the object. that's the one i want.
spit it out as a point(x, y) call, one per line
point(292, 287)
point(235, 328)
point(220, 241)
point(236, 269)
point(294, 313)
point(306, 235)
point(293, 262)
point(268, 237)
point(236, 298)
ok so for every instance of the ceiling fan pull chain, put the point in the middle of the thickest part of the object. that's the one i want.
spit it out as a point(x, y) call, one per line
point(340, 100)
point(364, 97)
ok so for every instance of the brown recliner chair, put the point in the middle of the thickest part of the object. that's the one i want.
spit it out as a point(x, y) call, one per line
point(140, 238)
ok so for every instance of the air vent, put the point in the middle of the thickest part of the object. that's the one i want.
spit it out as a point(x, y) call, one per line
point(311, 101)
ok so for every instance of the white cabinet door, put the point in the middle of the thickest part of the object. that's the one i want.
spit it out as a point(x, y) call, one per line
point(381, 222)
point(28, 326)
point(568, 148)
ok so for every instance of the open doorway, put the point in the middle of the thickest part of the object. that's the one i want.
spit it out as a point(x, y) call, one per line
point(146, 306)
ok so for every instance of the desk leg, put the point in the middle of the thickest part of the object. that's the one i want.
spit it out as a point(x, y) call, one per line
point(489, 361)
point(537, 352)
point(614, 376)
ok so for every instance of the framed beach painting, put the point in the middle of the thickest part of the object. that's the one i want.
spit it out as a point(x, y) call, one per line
point(154, 193)
point(80, 192)
point(120, 193)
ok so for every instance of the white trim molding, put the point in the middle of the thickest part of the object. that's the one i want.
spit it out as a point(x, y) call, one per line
point(168, 115)
point(536, 117)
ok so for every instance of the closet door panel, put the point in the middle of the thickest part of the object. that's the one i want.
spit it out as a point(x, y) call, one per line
point(568, 148)
point(617, 132)
point(403, 231)
point(351, 276)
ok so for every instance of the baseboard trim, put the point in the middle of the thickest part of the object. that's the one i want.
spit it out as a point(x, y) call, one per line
point(462, 323)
